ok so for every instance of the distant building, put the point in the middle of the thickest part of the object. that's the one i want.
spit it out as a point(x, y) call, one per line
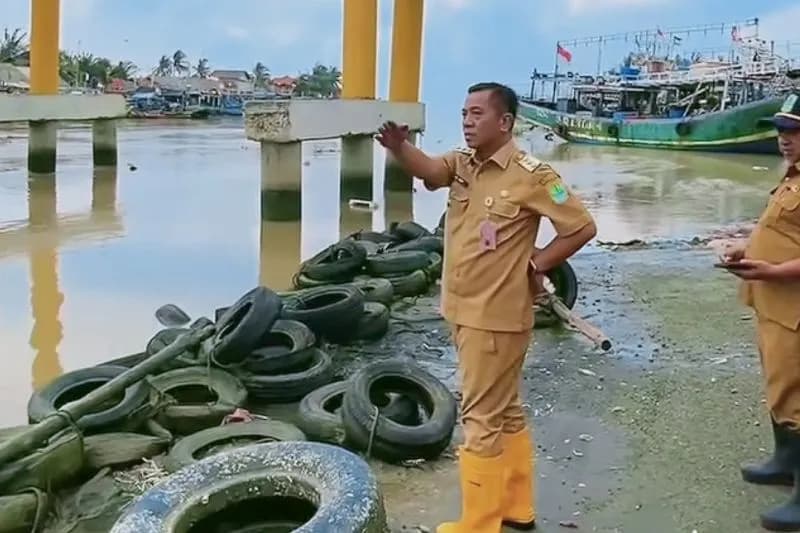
point(235, 81)
point(284, 85)
point(14, 78)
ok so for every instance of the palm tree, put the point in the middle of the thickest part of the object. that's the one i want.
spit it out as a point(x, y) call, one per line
point(179, 63)
point(12, 45)
point(202, 70)
point(123, 70)
point(261, 74)
point(164, 67)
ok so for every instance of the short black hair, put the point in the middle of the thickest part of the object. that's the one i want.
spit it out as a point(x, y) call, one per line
point(502, 96)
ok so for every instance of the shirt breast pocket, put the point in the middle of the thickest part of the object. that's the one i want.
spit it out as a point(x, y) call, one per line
point(785, 213)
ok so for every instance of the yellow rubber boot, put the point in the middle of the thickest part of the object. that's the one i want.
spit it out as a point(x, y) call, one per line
point(519, 481)
point(481, 495)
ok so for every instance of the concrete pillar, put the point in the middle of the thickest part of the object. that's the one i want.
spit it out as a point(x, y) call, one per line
point(279, 253)
point(359, 48)
point(44, 49)
point(104, 143)
point(281, 181)
point(398, 206)
point(42, 139)
point(356, 183)
point(46, 298)
point(395, 178)
point(406, 70)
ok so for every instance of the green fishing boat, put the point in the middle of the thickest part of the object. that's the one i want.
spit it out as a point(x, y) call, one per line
point(652, 101)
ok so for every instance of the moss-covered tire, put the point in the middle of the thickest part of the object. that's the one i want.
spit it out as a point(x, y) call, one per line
point(77, 384)
point(413, 284)
point(428, 244)
point(336, 489)
point(188, 449)
point(120, 449)
point(164, 338)
point(289, 386)
point(318, 414)
point(172, 316)
point(409, 230)
point(331, 312)
point(374, 323)
point(375, 289)
point(393, 441)
point(181, 416)
point(336, 263)
point(394, 263)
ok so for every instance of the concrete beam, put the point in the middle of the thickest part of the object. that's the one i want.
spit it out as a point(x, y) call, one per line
point(75, 107)
point(285, 121)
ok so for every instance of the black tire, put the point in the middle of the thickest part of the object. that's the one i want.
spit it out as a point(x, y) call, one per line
point(374, 323)
point(318, 414)
point(201, 322)
point(74, 385)
point(290, 387)
point(370, 248)
point(285, 347)
point(373, 236)
point(172, 316)
point(186, 451)
point(394, 263)
point(565, 282)
point(300, 282)
point(375, 289)
point(413, 284)
point(335, 482)
point(332, 312)
point(164, 338)
point(127, 361)
point(410, 230)
point(422, 244)
point(243, 325)
point(226, 392)
point(339, 262)
point(434, 268)
point(393, 441)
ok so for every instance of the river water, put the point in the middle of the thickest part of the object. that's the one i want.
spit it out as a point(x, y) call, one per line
point(86, 258)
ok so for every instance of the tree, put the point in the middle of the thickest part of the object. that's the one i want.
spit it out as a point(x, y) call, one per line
point(321, 82)
point(124, 70)
point(164, 67)
point(179, 63)
point(261, 74)
point(202, 70)
point(12, 45)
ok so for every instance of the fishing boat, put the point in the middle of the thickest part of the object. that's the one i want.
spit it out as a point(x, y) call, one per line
point(712, 105)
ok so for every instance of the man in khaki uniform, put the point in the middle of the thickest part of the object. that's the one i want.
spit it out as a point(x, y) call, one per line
point(770, 265)
point(497, 196)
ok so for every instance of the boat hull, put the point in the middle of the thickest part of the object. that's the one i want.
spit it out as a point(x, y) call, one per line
point(735, 130)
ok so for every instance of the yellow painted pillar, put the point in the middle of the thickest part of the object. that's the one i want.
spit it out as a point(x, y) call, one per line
point(404, 81)
point(45, 18)
point(359, 48)
point(359, 76)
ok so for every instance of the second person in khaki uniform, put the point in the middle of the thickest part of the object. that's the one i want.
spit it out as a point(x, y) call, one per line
point(497, 196)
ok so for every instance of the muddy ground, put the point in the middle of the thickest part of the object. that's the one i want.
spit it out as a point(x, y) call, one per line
point(646, 438)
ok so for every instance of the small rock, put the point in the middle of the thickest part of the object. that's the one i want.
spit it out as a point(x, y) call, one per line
point(568, 524)
point(586, 372)
point(585, 437)
point(577, 453)
point(617, 409)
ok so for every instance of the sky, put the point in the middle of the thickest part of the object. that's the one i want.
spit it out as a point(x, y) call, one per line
point(465, 41)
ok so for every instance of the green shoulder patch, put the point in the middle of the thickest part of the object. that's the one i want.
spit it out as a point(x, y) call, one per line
point(558, 192)
point(528, 162)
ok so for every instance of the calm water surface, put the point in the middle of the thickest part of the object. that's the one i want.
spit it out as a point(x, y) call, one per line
point(86, 258)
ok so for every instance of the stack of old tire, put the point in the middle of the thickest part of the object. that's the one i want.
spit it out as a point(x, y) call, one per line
point(260, 351)
point(407, 255)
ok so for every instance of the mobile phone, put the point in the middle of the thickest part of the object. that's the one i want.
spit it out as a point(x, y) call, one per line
point(732, 265)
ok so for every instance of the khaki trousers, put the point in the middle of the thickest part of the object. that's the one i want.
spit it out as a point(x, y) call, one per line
point(490, 363)
point(779, 348)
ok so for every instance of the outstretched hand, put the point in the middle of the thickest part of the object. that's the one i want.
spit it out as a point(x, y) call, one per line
point(392, 136)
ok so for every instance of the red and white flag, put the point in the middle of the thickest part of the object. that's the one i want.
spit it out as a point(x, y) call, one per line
point(563, 52)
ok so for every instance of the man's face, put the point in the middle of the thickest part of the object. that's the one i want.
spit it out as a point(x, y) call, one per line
point(482, 121)
point(789, 144)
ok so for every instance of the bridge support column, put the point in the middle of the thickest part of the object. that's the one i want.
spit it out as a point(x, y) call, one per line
point(404, 83)
point(356, 182)
point(42, 141)
point(281, 180)
point(104, 143)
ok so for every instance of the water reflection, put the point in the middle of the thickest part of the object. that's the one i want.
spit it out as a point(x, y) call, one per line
point(45, 234)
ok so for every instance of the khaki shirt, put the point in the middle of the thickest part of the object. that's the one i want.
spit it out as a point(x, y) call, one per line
point(489, 288)
point(776, 239)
